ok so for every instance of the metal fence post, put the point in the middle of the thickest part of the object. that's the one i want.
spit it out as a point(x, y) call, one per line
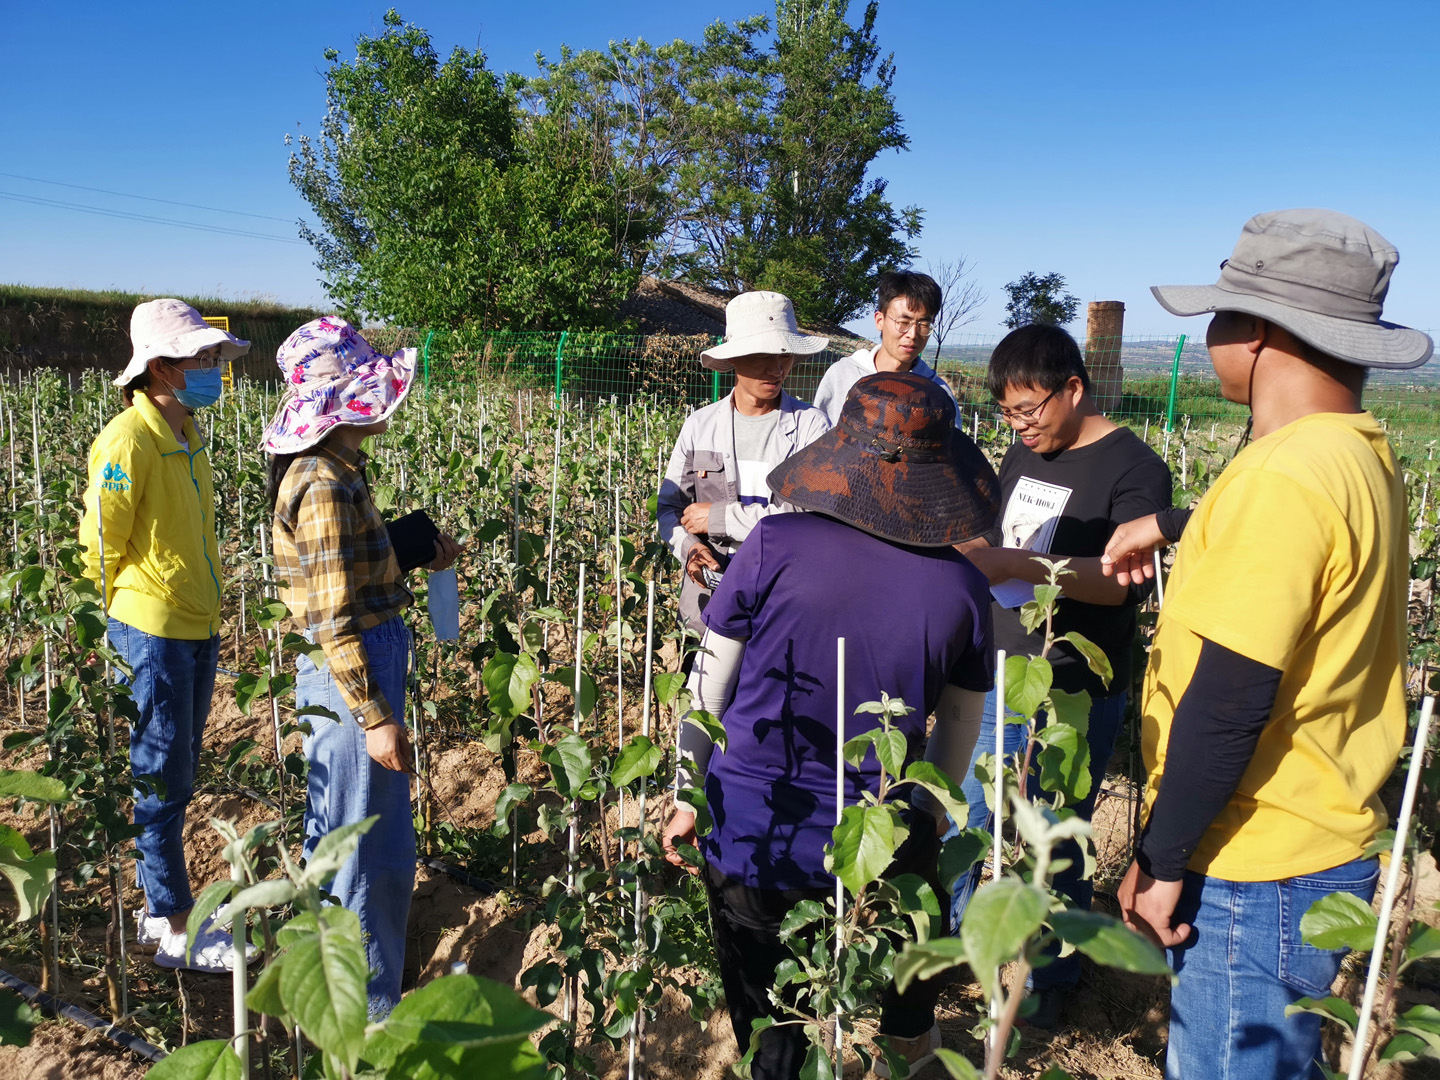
point(560, 364)
point(425, 360)
point(1174, 385)
point(715, 377)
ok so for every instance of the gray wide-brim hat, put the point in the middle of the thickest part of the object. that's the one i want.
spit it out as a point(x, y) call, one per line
point(760, 324)
point(1319, 274)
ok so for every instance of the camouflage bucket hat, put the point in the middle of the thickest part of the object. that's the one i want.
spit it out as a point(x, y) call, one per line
point(895, 466)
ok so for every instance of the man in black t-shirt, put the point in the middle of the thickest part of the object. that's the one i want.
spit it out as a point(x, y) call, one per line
point(1068, 481)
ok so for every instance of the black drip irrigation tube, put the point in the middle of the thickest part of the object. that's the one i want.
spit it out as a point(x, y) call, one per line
point(480, 885)
point(53, 1006)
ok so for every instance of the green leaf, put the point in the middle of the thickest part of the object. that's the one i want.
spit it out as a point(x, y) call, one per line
point(1094, 656)
point(31, 876)
point(1421, 1018)
point(957, 1066)
point(214, 894)
point(333, 850)
point(249, 686)
point(865, 843)
point(927, 959)
point(264, 996)
point(1331, 1008)
point(513, 794)
point(17, 1018)
point(640, 757)
point(209, 1060)
point(1108, 941)
point(1002, 916)
point(23, 784)
point(855, 749)
point(1406, 1046)
point(1027, 683)
point(323, 987)
point(508, 680)
point(891, 749)
point(464, 1013)
point(667, 684)
point(708, 724)
point(961, 852)
point(569, 761)
point(1340, 920)
point(1071, 709)
point(946, 792)
point(589, 693)
point(817, 1064)
point(1064, 761)
point(1424, 942)
point(263, 894)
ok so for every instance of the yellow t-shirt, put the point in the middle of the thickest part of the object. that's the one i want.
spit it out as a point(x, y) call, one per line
point(1296, 558)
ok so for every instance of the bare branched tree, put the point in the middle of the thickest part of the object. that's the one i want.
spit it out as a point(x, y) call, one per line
point(959, 297)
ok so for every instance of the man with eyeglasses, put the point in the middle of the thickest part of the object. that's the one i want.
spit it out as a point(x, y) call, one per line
point(1070, 478)
point(907, 304)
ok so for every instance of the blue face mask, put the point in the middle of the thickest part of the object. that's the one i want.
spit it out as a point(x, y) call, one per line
point(202, 388)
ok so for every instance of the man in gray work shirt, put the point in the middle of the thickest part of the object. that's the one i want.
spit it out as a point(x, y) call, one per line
point(906, 305)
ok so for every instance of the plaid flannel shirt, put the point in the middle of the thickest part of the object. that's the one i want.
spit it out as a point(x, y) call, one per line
point(332, 548)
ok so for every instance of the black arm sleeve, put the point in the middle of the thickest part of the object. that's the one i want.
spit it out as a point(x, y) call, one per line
point(1172, 521)
point(1218, 721)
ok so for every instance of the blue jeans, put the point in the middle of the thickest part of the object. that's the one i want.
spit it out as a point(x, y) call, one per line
point(1106, 716)
point(172, 684)
point(346, 786)
point(1242, 965)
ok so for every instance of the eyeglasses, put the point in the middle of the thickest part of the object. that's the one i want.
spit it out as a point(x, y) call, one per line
point(206, 361)
point(1028, 416)
point(920, 326)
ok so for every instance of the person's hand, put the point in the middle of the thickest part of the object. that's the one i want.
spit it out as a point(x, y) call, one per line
point(388, 744)
point(446, 552)
point(696, 519)
point(1130, 554)
point(680, 829)
point(997, 564)
point(700, 557)
point(1148, 906)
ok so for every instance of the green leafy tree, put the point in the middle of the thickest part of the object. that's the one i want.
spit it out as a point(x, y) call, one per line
point(441, 202)
point(777, 192)
point(1036, 299)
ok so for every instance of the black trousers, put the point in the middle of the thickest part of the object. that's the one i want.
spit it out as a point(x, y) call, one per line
point(748, 946)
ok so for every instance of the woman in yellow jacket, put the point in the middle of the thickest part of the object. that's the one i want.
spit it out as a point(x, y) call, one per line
point(148, 534)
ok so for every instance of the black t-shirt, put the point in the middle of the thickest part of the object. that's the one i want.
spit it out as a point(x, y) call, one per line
point(1069, 503)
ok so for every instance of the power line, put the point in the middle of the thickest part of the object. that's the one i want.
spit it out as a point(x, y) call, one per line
point(147, 198)
point(126, 215)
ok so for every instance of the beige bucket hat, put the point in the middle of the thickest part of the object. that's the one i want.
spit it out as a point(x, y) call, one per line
point(174, 329)
point(760, 324)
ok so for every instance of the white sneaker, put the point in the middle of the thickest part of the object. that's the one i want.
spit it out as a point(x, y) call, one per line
point(149, 929)
point(214, 950)
point(918, 1052)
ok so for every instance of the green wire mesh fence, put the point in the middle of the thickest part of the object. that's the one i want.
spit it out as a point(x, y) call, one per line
point(1146, 382)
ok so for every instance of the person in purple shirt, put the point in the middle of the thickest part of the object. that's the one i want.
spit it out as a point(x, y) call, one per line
point(890, 488)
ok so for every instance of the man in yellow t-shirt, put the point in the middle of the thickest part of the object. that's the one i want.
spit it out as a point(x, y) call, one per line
point(1274, 699)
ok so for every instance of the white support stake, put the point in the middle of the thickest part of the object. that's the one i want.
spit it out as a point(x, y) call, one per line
point(997, 854)
point(645, 731)
point(839, 813)
point(1159, 579)
point(242, 1014)
point(1392, 879)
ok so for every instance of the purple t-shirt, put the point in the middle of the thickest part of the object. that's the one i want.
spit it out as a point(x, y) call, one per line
point(913, 620)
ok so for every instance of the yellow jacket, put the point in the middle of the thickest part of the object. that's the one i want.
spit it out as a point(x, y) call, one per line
point(157, 500)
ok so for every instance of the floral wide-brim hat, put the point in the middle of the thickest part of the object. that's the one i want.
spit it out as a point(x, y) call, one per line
point(333, 377)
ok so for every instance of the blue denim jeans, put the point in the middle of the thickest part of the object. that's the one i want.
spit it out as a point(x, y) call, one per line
point(346, 786)
point(1106, 716)
point(172, 684)
point(1242, 965)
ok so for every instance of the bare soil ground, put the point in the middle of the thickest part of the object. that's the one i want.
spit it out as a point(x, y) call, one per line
point(1114, 1025)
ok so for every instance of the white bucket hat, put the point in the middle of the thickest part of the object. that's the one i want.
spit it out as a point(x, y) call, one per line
point(1319, 274)
point(760, 324)
point(174, 329)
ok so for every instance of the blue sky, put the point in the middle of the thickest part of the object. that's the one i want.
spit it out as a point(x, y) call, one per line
point(1121, 144)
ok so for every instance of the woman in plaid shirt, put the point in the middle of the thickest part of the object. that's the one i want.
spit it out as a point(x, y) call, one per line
point(344, 587)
